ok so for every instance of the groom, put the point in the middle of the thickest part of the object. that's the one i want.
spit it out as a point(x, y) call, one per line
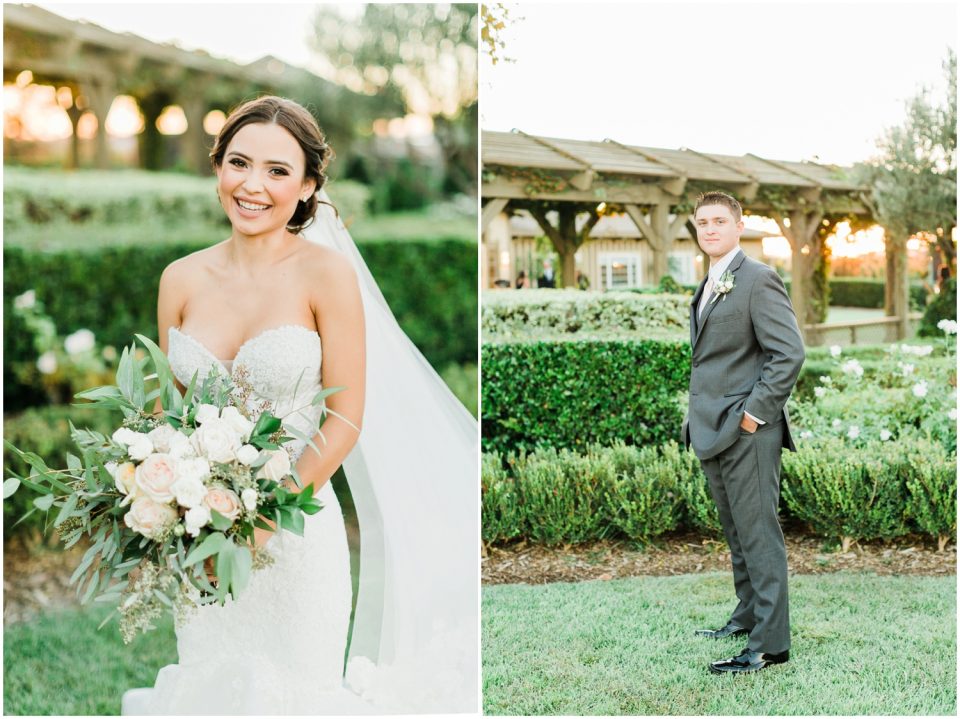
point(747, 353)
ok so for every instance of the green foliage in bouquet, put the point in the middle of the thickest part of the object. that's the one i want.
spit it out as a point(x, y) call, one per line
point(135, 521)
point(574, 393)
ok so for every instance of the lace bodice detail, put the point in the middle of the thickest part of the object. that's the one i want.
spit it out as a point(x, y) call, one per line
point(281, 365)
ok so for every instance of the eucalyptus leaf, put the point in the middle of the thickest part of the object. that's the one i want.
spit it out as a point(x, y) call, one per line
point(67, 510)
point(44, 503)
point(303, 438)
point(242, 562)
point(10, 486)
point(209, 546)
point(220, 522)
point(324, 393)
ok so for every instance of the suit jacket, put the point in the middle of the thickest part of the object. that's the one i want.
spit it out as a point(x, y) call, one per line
point(747, 352)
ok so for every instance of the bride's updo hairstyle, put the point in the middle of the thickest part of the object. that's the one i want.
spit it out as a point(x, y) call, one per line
point(296, 120)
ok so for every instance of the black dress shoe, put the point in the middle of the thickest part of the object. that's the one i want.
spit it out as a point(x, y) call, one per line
point(730, 630)
point(748, 661)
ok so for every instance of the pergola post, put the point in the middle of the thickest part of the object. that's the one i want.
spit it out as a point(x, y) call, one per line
point(660, 232)
point(196, 140)
point(100, 97)
point(802, 233)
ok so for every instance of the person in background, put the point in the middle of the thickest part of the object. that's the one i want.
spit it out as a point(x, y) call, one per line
point(547, 279)
point(523, 282)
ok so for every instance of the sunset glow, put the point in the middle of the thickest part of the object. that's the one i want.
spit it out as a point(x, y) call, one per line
point(124, 118)
point(172, 121)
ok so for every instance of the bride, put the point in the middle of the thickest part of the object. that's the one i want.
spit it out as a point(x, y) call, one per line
point(288, 304)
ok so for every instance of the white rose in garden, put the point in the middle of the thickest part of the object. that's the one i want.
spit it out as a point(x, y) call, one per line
point(189, 492)
point(948, 326)
point(920, 388)
point(149, 518)
point(249, 498)
point(952, 414)
point(826, 380)
point(224, 501)
point(196, 518)
point(852, 367)
point(835, 350)
point(161, 437)
point(853, 432)
point(907, 369)
point(806, 434)
point(837, 423)
point(242, 425)
point(216, 440)
point(25, 301)
point(140, 448)
point(885, 434)
point(156, 475)
point(819, 391)
point(47, 362)
point(206, 412)
point(80, 341)
point(247, 455)
point(277, 467)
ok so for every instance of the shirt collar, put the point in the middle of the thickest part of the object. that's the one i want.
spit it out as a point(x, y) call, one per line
point(718, 269)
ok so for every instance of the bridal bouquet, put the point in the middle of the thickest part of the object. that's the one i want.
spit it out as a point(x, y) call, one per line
point(168, 495)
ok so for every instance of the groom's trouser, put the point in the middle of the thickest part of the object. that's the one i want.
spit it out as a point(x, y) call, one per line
point(745, 483)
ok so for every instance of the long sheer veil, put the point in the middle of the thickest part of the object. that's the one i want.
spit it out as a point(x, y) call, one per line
point(413, 475)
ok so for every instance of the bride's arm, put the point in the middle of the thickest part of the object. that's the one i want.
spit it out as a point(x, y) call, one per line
point(170, 301)
point(338, 310)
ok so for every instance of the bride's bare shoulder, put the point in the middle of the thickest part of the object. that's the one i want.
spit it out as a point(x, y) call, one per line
point(327, 267)
point(188, 267)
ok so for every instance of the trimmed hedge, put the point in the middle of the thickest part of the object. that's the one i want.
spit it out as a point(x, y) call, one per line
point(842, 492)
point(866, 292)
point(431, 287)
point(574, 393)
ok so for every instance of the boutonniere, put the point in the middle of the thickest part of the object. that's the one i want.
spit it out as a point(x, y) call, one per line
point(723, 286)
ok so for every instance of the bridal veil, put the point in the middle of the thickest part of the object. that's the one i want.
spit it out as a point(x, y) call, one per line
point(413, 475)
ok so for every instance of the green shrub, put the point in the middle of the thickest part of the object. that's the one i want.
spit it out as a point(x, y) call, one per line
point(846, 494)
point(931, 481)
point(565, 312)
point(570, 394)
point(644, 503)
point(45, 431)
point(944, 307)
point(865, 292)
point(500, 516)
point(431, 287)
point(700, 512)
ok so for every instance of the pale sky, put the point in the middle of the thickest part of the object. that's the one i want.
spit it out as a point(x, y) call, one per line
point(238, 31)
point(784, 80)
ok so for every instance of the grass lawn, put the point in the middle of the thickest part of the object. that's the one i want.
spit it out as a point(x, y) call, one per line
point(61, 664)
point(862, 644)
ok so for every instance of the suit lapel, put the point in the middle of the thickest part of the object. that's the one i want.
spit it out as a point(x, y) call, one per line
point(734, 266)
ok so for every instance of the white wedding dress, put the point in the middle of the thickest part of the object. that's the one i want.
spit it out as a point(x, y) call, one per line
point(278, 649)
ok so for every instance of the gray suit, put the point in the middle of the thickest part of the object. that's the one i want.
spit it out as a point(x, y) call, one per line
point(747, 353)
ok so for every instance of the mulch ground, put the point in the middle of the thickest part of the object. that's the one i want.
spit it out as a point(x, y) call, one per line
point(691, 554)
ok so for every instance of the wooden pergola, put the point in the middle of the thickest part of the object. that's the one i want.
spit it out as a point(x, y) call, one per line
point(98, 65)
point(657, 188)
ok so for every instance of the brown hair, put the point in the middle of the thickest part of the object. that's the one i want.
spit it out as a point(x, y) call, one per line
point(719, 198)
point(296, 120)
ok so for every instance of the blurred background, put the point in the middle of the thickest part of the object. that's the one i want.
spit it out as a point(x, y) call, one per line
point(109, 115)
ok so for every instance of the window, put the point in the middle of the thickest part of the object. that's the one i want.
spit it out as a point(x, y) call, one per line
point(619, 271)
point(682, 265)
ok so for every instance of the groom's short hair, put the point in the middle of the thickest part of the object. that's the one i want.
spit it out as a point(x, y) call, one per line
point(719, 198)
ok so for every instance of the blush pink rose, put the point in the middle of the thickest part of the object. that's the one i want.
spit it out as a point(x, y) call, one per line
point(156, 477)
point(149, 518)
point(224, 501)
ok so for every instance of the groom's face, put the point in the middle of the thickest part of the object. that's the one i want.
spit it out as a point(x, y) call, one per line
point(717, 231)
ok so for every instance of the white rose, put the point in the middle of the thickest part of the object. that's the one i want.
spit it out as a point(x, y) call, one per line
point(162, 436)
point(25, 301)
point(193, 468)
point(156, 475)
point(820, 391)
point(277, 467)
point(180, 447)
point(79, 341)
point(206, 412)
point(242, 425)
point(149, 518)
point(47, 362)
point(140, 448)
point(189, 492)
point(952, 414)
point(806, 434)
point(195, 518)
point(826, 379)
point(216, 440)
point(948, 326)
point(920, 389)
point(125, 478)
point(247, 455)
point(225, 501)
point(907, 369)
point(835, 350)
point(836, 423)
point(249, 498)
point(124, 436)
point(853, 432)
point(885, 434)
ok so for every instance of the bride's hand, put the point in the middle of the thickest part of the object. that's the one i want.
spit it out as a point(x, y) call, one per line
point(261, 536)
